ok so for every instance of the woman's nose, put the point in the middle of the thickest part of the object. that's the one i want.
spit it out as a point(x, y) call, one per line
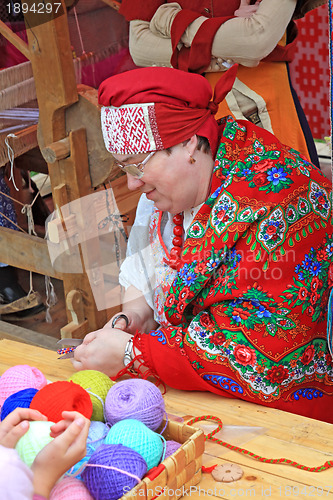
point(133, 183)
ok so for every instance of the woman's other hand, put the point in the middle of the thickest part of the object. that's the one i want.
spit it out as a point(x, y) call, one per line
point(131, 325)
point(139, 314)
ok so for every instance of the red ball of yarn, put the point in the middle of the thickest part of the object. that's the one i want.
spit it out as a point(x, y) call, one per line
point(56, 397)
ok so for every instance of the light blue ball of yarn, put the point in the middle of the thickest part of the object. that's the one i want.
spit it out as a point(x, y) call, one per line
point(34, 440)
point(137, 436)
point(97, 433)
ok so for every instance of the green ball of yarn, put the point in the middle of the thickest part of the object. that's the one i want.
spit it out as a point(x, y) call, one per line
point(34, 440)
point(97, 384)
point(137, 436)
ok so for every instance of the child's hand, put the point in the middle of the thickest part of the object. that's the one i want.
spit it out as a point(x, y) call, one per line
point(16, 424)
point(245, 9)
point(67, 448)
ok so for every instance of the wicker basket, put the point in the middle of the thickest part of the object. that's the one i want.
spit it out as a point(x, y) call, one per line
point(178, 472)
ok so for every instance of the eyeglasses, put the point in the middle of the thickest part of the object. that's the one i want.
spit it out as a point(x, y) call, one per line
point(135, 169)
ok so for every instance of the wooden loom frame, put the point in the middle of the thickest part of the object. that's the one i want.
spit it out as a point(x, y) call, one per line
point(49, 51)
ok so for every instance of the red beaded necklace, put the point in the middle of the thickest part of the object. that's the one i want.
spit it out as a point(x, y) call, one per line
point(177, 241)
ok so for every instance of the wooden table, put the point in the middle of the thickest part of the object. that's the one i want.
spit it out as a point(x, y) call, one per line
point(264, 431)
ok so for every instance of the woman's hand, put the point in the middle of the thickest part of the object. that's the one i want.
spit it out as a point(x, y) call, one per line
point(102, 350)
point(245, 9)
point(16, 424)
point(67, 448)
point(131, 326)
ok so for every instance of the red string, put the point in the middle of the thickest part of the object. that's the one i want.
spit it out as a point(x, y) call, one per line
point(208, 469)
point(286, 461)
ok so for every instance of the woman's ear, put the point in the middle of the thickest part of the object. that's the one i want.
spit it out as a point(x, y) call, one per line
point(191, 144)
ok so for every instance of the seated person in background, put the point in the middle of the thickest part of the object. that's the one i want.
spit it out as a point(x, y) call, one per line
point(17, 480)
point(207, 36)
point(229, 265)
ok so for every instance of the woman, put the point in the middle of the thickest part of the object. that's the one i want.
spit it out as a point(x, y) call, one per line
point(230, 257)
point(207, 36)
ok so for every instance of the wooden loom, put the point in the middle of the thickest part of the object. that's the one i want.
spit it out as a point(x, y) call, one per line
point(71, 142)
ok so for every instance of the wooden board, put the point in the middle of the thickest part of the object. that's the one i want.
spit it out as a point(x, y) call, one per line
point(14, 353)
point(25, 336)
point(268, 432)
point(24, 141)
point(86, 113)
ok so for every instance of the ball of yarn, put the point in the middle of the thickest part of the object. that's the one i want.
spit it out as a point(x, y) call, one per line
point(20, 399)
point(97, 384)
point(170, 448)
point(137, 399)
point(34, 440)
point(110, 470)
point(136, 435)
point(20, 377)
point(70, 488)
point(54, 398)
point(96, 435)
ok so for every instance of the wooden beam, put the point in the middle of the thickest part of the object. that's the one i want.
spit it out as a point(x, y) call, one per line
point(56, 151)
point(24, 141)
point(23, 335)
point(26, 252)
point(53, 71)
point(86, 114)
point(14, 39)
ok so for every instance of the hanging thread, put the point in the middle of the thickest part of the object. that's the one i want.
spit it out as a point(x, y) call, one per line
point(51, 298)
point(11, 157)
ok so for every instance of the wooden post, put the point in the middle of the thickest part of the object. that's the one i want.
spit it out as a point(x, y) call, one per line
point(53, 70)
point(76, 156)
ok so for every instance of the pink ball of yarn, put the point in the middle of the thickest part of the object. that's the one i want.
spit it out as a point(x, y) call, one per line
point(20, 377)
point(171, 447)
point(70, 489)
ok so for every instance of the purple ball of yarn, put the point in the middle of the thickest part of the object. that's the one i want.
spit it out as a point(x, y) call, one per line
point(110, 470)
point(171, 447)
point(135, 399)
point(20, 399)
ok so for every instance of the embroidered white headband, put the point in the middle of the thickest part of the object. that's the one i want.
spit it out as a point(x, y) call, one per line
point(130, 129)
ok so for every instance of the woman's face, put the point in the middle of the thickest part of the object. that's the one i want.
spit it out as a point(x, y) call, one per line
point(170, 180)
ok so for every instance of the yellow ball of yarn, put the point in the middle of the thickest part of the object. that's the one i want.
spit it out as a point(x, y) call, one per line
point(97, 384)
